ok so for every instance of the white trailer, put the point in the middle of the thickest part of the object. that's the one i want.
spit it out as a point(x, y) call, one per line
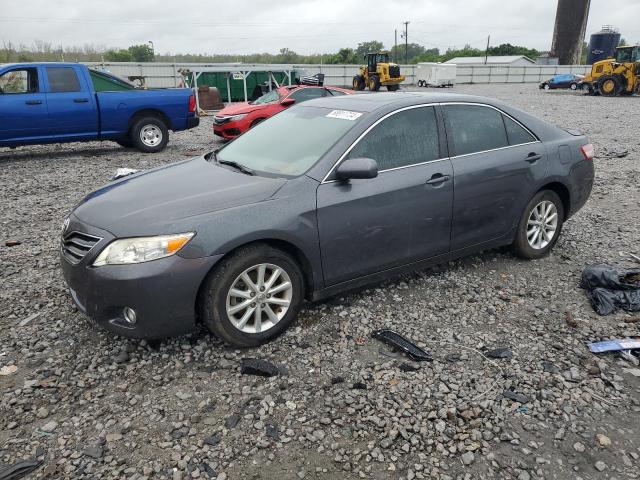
point(430, 74)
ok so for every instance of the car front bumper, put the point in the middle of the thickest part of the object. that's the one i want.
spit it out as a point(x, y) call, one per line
point(163, 293)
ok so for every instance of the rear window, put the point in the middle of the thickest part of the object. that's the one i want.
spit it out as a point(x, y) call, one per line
point(62, 79)
point(476, 128)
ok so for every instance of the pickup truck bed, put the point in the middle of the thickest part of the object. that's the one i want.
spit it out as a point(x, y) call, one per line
point(58, 102)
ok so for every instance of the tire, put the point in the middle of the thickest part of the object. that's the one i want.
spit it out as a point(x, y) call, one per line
point(393, 88)
point(546, 86)
point(609, 86)
point(358, 83)
point(526, 244)
point(149, 134)
point(215, 298)
point(374, 83)
point(573, 86)
point(421, 83)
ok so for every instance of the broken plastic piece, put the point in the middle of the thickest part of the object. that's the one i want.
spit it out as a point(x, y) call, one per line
point(396, 340)
point(500, 352)
point(615, 345)
point(18, 469)
point(516, 397)
point(609, 288)
point(123, 172)
point(262, 368)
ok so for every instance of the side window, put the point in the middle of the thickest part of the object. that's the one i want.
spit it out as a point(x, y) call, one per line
point(515, 133)
point(475, 128)
point(335, 93)
point(62, 79)
point(19, 81)
point(405, 138)
point(304, 94)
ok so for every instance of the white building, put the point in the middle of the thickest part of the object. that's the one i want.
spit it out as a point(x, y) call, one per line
point(505, 60)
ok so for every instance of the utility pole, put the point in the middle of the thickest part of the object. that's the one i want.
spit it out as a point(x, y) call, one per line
point(406, 42)
point(395, 48)
point(486, 52)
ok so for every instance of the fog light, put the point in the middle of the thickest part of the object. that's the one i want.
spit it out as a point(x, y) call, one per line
point(129, 315)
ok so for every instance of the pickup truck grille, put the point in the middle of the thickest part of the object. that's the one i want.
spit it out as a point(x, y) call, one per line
point(220, 120)
point(76, 245)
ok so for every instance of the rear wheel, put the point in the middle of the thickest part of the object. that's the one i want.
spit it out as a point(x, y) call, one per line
point(252, 296)
point(358, 82)
point(573, 86)
point(149, 134)
point(374, 83)
point(609, 86)
point(421, 83)
point(540, 225)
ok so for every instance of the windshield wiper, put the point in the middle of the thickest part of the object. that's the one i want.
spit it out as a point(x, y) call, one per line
point(238, 166)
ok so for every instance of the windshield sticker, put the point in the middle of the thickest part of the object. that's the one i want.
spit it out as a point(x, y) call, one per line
point(344, 115)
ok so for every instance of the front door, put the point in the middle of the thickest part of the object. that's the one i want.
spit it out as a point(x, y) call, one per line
point(496, 163)
point(71, 103)
point(403, 215)
point(23, 106)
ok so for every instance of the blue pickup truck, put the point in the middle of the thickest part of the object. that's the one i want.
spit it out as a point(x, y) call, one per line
point(67, 102)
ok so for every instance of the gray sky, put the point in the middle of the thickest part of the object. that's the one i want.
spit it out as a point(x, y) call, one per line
point(305, 26)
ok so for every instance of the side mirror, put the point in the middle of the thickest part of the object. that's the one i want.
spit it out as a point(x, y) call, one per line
point(287, 102)
point(355, 168)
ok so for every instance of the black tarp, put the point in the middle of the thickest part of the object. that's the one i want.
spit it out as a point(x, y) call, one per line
point(610, 288)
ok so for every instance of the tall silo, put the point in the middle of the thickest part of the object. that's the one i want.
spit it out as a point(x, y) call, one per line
point(568, 34)
point(603, 44)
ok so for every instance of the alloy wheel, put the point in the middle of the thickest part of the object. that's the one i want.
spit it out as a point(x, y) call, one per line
point(542, 225)
point(259, 298)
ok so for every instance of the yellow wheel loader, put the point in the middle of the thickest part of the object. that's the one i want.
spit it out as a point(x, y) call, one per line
point(615, 76)
point(378, 72)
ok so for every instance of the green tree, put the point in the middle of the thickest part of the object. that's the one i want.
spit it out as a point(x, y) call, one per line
point(366, 47)
point(344, 56)
point(414, 50)
point(121, 55)
point(508, 49)
point(141, 53)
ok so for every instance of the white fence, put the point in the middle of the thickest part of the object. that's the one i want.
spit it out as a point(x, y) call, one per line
point(167, 74)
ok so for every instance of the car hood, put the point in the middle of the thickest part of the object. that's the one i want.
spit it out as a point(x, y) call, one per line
point(239, 108)
point(149, 201)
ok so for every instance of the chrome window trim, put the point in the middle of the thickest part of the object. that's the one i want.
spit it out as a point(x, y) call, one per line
point(357, 140)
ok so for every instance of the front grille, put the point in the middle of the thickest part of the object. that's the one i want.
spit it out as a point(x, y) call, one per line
point(76, 245)
point(220, 120)
point(394, 71)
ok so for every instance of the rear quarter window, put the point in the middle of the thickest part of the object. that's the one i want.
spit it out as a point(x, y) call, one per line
point(516, 134)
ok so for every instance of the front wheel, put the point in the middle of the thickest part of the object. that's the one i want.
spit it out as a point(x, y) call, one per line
point(374, 83)
point(540, 225)
point(149, 134)
point(252, 296)
point(546, 86)
point(573, 86)
point(358, 83)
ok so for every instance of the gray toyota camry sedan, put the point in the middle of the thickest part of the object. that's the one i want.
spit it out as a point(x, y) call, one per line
point(328, 195)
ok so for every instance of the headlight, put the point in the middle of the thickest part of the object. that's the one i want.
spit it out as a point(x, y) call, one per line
point(141, 249)
point(235, 118)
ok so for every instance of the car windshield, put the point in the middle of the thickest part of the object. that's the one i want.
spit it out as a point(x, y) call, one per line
point(269, 97)
point(291, 142)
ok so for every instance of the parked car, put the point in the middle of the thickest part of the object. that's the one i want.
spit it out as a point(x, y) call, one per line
point(238, 118)
point(571, 81)
point(328, 195)
point(66, 102)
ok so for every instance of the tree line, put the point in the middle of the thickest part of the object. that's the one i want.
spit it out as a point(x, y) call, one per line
point(46, 51)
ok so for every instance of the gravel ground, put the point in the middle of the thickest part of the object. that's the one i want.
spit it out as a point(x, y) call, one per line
point(93, 405)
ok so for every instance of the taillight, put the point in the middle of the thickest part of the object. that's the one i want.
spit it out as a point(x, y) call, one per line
point(587, 151)
point(192, 104)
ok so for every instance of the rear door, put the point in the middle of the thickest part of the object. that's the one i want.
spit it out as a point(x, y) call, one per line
point(23, 105)
point(497, 164)
point(402, 215)
point(70, 102)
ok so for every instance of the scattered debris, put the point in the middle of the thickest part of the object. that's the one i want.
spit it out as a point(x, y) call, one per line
point(12, 243)
point(409, 367)
point(232, 421)
point(255, 366)
point(398, 342)
point(271, 430)
point(609, 288)
point(29, 319)
point(614, 345)
point(212, 440)
point(123, 172)
point(18, 469)
point(8, 370)
point(500, 352)
point(569, 318)
point(359, 386)
point(336, 380)
point(516, 397)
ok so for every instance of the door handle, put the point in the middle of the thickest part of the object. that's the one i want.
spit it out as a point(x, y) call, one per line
point(533, 157)
point(33, 102)
point(438, 178)
point(80, 100)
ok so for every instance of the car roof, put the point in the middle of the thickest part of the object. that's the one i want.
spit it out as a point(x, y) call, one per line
point(369, 102)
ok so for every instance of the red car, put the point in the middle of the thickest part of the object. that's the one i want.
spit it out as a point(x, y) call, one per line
point(235, 119)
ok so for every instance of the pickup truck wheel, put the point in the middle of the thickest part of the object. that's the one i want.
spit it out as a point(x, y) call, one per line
point(149, 134)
